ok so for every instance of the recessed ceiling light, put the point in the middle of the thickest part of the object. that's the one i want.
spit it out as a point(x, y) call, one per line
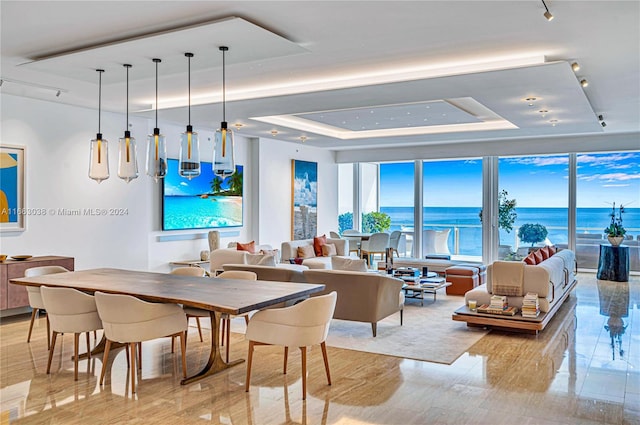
point(543, 111)
point(303, 139)
point(274, 132)
point(238, 126)
point(575, 66)
point(531, 99)
point(584, 82)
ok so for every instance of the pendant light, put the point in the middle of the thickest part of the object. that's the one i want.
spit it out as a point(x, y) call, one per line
point(99, 152)
point(156, 146)
point(223, 161)
point(127, 158)
point(189, 165)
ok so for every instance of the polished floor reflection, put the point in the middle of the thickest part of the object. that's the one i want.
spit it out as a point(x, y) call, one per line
point(583, 369)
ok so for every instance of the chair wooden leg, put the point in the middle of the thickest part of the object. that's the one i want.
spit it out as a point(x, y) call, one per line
point(76, 344)
point(140, 356)
point(48, 334)
point(126, 350)
point(132, 346)
point(249, 359)
point(374, 328)
point(34, 312)
point(323, 345)
point(173, 342)
point(246, 319)
point(401, 316)
point(88, 345)
point(303, 350)
point(286, 355)
point(228, 325)
point(54, 335)
point(105, 358)
point(183, 349)
point(199, 328)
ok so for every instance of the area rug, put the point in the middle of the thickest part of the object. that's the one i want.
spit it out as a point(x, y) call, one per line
point(428, 334)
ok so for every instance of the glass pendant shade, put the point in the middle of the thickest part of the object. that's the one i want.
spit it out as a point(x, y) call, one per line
point(156, 155)
point(127, 158)
point(189, 165)
point(224, 163)
point(99, 159)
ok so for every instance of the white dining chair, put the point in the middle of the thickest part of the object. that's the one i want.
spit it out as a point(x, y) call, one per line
point(435, 242)
point(70, 311)
point(129, 320)
point(195, 272)
point(301, 325)
point(35, 298)
point(376, 244)
point(354, 241)
point(394, 241)
point(334, 235)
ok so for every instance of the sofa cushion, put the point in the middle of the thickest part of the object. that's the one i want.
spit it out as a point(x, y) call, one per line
point(249, 247)
point(261, 260)
point(306, 251)
point(329, 250)
point(318, 241)
point(348, 264)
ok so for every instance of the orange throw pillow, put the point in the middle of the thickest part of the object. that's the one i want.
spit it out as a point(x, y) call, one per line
point(530, 260)
point(552, 250)
point(249, 247)
point(318, 241)
point(545, 253)
point(538, 256)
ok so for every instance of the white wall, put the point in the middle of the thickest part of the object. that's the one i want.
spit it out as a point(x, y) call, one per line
point(274, 191)
point(56, 138)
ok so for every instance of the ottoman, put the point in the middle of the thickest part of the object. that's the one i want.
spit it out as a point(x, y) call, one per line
point(462, 278)
point(482, 271)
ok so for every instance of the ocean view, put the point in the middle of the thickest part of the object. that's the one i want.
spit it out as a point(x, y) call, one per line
point(467, 222)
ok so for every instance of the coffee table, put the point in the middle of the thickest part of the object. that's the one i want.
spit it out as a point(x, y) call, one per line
point(429, 285)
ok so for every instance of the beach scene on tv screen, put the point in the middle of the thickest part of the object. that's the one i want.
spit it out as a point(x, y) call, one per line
point(206, 201)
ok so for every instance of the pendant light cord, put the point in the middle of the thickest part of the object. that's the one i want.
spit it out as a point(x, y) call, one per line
point(189, 85)
point(100, 71)
point(156, 61)
point(127, 123)
point(224, 98)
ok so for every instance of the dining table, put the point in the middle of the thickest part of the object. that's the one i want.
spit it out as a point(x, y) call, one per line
point(217, 295)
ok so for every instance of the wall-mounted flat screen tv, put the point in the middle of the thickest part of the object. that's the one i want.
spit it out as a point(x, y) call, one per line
point(204, 202)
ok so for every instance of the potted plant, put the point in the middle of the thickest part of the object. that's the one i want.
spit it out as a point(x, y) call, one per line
point(532, 233)
point(615, 231)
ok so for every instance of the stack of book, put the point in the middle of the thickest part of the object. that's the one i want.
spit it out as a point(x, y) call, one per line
point(530, 307)
point(498, 302)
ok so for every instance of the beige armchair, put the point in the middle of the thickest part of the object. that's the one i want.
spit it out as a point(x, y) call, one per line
point(70, 311)
point(130, 320)
point(301, 325)
point(362, 297)
point(35, 298)
point(196, 313)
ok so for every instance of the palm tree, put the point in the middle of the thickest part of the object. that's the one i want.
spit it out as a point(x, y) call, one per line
point(235, 183)
point(216, 185)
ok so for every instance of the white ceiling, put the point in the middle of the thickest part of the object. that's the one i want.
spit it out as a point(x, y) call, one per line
point(346, 75)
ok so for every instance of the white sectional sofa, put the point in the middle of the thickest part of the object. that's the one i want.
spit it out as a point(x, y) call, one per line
point(289, 250)
point(550, 279)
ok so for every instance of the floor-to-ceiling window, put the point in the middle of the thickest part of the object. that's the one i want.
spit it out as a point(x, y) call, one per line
point(396, 200)
point(346, 197)
point(452, 201)
point(602, 180)
point(539, 185)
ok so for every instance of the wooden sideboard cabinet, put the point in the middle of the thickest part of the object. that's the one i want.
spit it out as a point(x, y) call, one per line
point(14, 296)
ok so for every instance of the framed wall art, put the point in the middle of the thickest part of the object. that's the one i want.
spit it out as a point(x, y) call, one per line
point(12, 209)
point(304, 194)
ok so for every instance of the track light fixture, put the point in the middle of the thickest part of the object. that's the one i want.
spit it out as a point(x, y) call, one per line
point(547, 14)
point(601, 119)
point(575, 66)
point(584, 82)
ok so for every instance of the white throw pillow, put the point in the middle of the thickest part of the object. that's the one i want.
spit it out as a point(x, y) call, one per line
point(306, 251)
point(329, 250)
point(348, 264)
point(261, 260)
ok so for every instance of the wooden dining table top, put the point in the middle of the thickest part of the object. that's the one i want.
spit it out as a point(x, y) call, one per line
point(232, 296)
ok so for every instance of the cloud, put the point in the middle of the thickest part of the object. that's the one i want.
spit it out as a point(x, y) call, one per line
point(540, 161)
point(611, 177)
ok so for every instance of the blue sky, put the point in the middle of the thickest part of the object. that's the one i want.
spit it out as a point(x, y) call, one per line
point(176, 185)
point(534, 181)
